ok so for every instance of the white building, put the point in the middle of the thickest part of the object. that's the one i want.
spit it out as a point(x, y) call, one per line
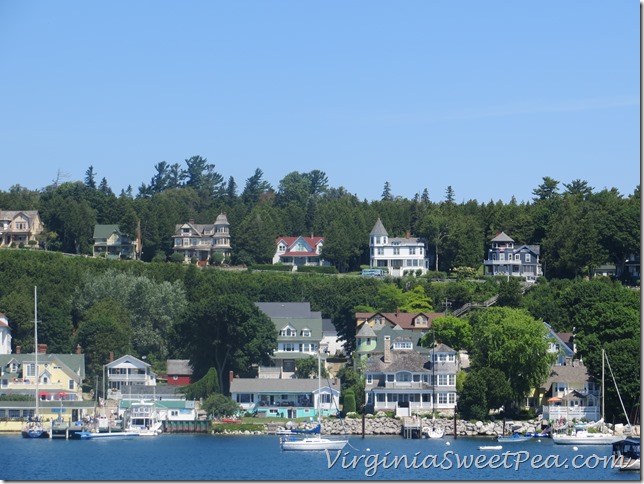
point(5, 335)
point(397, 255)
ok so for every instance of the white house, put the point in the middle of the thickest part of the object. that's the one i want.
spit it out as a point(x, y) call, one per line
point(5, 335)
point(300, 251)
point(397, 255)
point(127, 371)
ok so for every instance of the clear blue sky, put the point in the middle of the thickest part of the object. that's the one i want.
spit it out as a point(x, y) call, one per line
point(486, 96)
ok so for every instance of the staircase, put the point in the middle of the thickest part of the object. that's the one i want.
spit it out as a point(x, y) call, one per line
point(468, 306)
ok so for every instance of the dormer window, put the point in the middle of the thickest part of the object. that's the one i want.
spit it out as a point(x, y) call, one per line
point(288, 331)
point(403, 345)
point(306, 332)
point(420, 321)
point(281, 248)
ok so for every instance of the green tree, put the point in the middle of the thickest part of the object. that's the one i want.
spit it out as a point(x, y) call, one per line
point(229, 333)
point(454, 332)
point(510, 292)
point(218, 405)
point(511, 341)
point(308, 368)
point(204, 387)
point(484, 390)
point(349, 401)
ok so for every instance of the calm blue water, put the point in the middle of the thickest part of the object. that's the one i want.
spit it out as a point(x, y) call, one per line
point(207, 457)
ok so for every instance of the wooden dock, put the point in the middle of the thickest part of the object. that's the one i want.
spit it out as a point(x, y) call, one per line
point(411, 428)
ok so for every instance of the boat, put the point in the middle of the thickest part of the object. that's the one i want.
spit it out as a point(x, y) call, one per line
point(142, 418)
point(86, 435)
point(581, 434)
point(627, 454)
point(34, 428)
point(316, 442)
point(514, 438)
point(490, 447)
point(433, 432)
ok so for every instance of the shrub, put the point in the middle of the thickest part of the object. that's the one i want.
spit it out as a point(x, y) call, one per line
point(349, 402)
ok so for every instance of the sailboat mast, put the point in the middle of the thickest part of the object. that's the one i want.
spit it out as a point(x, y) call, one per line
point(603, 392)
point(36, 342)
point(319, 388)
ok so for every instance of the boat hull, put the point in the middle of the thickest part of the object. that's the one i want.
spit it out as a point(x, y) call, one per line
point(589, 439)
point(313, 443)
point(107, 435)
point(35, 434)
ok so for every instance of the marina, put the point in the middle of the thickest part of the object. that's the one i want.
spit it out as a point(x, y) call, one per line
point(182, 457)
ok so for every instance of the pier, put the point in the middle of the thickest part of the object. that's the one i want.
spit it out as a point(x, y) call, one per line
point(411, 428)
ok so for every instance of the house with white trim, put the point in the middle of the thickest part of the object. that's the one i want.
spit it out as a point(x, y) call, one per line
point(397, 255)
point(504, 259)
point(300, 251)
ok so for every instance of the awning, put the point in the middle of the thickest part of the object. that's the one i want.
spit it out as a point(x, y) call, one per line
point(61, 395)
point(554, 399)
point(43, 394)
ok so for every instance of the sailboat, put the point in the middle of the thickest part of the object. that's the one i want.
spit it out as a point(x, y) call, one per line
point(315, 442)
point(581, 434)
point(34, 428)
point(433, 432)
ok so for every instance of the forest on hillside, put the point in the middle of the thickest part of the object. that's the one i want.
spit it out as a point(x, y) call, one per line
point(578, 228)
point(208, 315)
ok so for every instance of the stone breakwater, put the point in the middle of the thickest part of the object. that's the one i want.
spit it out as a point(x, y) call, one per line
point(393, 426)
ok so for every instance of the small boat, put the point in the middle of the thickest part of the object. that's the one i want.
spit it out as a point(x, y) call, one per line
point(107, 435)
point(490, 447)
point(514, 438)
point(433, 432)
point(317, 442)
point(627, 454)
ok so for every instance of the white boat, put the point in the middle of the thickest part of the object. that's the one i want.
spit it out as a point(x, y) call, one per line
point(107, 435)
point(34, 428)
point(313, 442)
point(433, 432)
point(490, 447)
point(581, 434)
point(142, 418)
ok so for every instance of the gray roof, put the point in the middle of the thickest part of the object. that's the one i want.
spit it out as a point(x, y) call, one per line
point(221, 219)
point(287, 310)
point(178, 367)
point(576, 373)
point(286, 385)
point(408, 360)
point(10, 214)
point(365, 331)
point(503, 237)
point(328, 326)
point(532, 248)
point(378, 228)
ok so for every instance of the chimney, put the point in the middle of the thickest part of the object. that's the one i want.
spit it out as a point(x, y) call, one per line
point(191, 221)
point(17, 350)
point(312, 236)
point(111, 356)
point(78, 349)
point(408, 235)
point(42, 348)
point(231, 376)
point(387, 349)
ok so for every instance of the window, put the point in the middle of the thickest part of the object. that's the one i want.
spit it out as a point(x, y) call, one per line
point(288, 331)
point(420, 321)
point(381, 251)
point(442, 380)
point(403, 345)
point(288, 347)
point(244, 398)
point(403, 376)
point(30, 369)
point(527, 257)
point(390, 378)
point(71, 385)
point(14, 413)
point(380, 397)
point(501, 256)
point(306, 332)
point(369, 379)
point(442, 398)
point(451, 397)
point(396, 250)
point(281, 248)
point(416, 377)
point(325, 398)
point(412, 251)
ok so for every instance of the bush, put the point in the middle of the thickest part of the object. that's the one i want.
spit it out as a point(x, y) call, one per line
point(176, 257)
point(349, 402)
point(318, 269)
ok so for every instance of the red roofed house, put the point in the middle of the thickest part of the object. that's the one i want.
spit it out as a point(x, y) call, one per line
point(300, 251)
point(413, 321)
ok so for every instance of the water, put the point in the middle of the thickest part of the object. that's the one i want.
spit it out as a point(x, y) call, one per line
point(206, 457)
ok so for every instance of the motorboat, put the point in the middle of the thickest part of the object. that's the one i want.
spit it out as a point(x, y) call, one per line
point(627, 454)
point(490, 447)
point(514, 438)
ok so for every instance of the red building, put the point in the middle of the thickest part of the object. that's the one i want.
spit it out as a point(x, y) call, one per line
point(179, 372)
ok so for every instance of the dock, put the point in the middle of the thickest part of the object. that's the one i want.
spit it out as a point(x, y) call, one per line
point(411, 428)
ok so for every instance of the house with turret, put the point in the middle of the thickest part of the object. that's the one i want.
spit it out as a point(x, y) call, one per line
point(505, 258)
point(397, 256)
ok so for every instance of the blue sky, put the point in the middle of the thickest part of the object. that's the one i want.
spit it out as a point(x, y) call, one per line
point(488, 97)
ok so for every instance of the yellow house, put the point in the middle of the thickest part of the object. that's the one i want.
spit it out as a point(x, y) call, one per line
point(60, 378)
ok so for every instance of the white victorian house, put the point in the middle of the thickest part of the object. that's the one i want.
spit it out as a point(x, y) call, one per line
point(397, 255)
point(5, 335)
